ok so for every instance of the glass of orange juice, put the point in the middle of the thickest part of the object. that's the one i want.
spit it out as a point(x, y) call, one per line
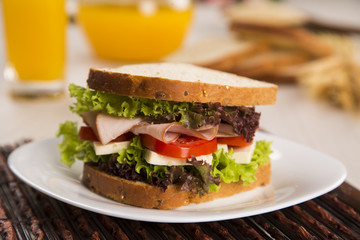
point(135, 30)
point(35, 40)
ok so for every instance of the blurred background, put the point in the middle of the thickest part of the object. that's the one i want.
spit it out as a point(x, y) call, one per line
point(309, 48)
point(302, 42)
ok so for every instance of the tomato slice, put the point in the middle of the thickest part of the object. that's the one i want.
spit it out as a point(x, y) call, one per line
point(237, 141)
point(183, 147)
point(124, 137)
point(87, 134)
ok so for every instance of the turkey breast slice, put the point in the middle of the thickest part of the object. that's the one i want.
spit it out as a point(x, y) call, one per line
point(169, 132)
point(107, 127)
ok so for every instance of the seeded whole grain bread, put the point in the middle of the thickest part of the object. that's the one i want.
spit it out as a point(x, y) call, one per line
point(147, 196)
point(182, 82)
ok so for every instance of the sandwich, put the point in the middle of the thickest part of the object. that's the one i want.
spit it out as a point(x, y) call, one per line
point(164, 135)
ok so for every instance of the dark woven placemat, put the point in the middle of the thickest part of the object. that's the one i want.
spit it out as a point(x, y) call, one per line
point(28, 214)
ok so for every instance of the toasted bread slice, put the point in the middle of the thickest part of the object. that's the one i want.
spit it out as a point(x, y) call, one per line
point(286, 38)
point(182, 82)
point(147, 196)
point(271, 64)
point(266, 13)
point(220, 53)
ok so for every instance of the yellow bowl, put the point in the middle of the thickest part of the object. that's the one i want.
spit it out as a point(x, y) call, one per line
point(135, 30)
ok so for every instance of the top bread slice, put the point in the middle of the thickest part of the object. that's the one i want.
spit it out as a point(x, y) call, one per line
point(182, 82)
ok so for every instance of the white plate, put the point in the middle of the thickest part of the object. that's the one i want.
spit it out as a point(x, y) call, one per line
point(299, 174)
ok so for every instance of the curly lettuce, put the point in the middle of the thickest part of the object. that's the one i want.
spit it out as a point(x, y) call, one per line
point(122, 106)
point(225, 167)
point(134, 154)
point(72, 148)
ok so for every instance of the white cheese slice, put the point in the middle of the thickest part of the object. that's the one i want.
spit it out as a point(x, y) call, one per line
point(103, 149)
point(243, 155)
point(223, 146)
point(158, 159)
point(206, 158)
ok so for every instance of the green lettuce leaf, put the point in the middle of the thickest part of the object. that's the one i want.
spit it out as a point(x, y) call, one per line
point(225, 167)
point(72, 148)
point(122, 106)
point(134, 154)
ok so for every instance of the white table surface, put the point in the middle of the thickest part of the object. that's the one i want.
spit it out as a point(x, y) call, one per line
point(295, 116)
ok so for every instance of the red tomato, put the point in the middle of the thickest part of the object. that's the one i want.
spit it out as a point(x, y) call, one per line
point(86, 133)
point(238, 141)
point(124, 137)
point(183, 147)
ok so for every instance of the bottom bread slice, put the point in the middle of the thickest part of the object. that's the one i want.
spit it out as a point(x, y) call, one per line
point(147, 196)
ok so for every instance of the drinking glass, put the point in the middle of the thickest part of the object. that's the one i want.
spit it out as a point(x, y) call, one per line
point(35, 46)
point(135, 30)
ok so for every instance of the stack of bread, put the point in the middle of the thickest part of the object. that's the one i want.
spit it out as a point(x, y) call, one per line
point(281, 28)
point(268, 41)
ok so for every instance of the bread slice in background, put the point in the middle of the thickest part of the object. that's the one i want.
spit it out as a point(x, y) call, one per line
point(275, 24)
point(182, 82)
point(266, 13)
point(220, 53)
point(284, 38)
point(275, 65)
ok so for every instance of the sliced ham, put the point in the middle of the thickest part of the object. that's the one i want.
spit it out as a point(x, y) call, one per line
point(107, 127)
point(225, 130)
point(158, 131)
point(90, 119)
point(169, 132)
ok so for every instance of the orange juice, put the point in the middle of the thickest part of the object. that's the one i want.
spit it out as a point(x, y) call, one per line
point(35, 37)
point(125, 32)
